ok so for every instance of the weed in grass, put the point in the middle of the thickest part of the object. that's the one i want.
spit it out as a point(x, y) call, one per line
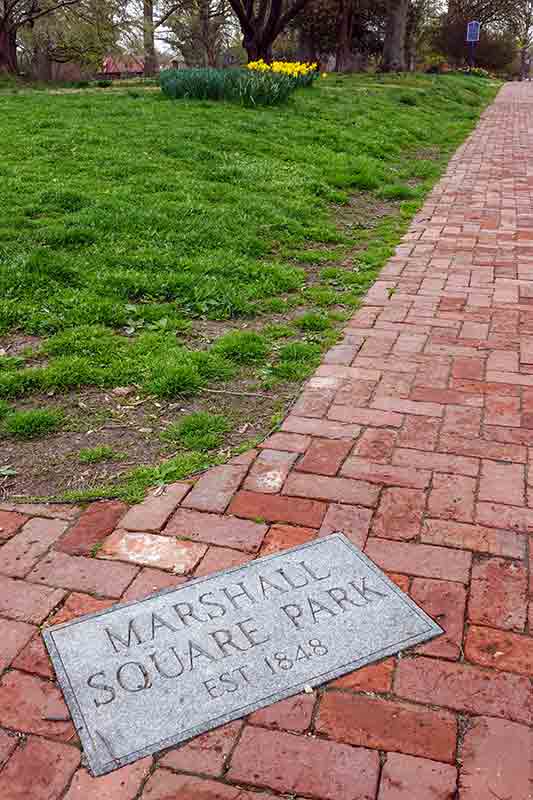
point(4, 409)
point(313, 321)
point(31, 424)
point(242, 347)
point(199, 431)
point(95, 455)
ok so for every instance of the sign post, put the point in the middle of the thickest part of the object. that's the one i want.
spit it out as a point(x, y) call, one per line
point(473, 30)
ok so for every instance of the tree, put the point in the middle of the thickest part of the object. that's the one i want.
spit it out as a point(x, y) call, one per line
point(14, 16)
point(200, 31)
point(262, 21)
point(395, 36)
point(522, 25)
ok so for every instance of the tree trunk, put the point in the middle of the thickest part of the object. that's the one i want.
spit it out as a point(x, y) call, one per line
point(150, 58)
point(411, 33)
point(394, 47)
point(344, 56)
point(8, 51)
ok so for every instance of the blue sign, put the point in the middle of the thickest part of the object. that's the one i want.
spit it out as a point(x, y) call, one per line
point(472, 31)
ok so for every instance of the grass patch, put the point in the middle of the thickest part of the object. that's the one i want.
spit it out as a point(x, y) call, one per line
point(95, 455)
point(32, 424)
point(200, 431)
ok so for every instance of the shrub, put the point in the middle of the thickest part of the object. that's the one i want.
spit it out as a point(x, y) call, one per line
point(31, 424)
point(200, 431)
point(247, 87)
point(104, 84)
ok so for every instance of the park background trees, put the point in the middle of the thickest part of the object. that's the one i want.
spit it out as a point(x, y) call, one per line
point(345, 35)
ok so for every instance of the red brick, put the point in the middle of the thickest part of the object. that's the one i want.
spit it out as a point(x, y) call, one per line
point(24, 550)
point(32, 705)
point(214, 490)
point(376, 445)
point(480, 449)
point(484, 387)
point(500, 516)
point(498, 594)
point(325, 456)
point(365, 416)
point(468, 368)
point(293, 714)
point(446, 397)
point(410, 778)
point(39, 769)
point(165, 785)
point(269, 471)
point(152, 513)
point(84, 574)
point(464, 688)
point(34, 658)
point(25, 601)
point(419, 432)
point(510, 435)
point(452, 497)
point(313, 403)
point(399, 515)
point(394, 384)
point(503, 361)
point(244, 459)
point(420, 559)
point(219, 558)
point(76, 605)
point(282, 537)
point(440, 462)
point(385, 725)
point(501, 650)
point(502, 483)
point(206, 754)
point(355, 393)
point(291, 442)
point(465, 420)
point(321, 427)
point(445, 602)
point(151, 549)
point(400, 406)
point(8, 743)
point(494, 760)
point(303, 765)
point(502, 410)
point(51, 510)
point(223, 531)
point(96, 522)
point(123, 784)
point(274, 508)
point(14, 635)
point(353, 521)
point(150, 581)
point(359, 468)
point(473, 537)
point(10, 523)
point(402, 581)
point(340, 490)
point(373, 678)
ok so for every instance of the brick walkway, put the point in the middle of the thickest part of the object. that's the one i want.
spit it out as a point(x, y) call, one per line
point(414, 438)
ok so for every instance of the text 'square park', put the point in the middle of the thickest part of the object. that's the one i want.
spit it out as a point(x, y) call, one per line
point(144, 676)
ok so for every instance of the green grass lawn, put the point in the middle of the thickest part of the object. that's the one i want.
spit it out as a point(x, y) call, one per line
point(185, 249)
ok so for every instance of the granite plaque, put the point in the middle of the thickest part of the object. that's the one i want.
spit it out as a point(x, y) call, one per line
point(143, 676)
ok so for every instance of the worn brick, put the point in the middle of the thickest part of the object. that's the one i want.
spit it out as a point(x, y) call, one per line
point(152, 513)
point(325, 456)
point(473, 537)
point(353, 521)
point(269, 471)
point(465, 420)
point(23, 551)
point(83, 574)
point(372, 417)
point(274, 508)
point(478, 448)
point(503, 650)
point(96, 522)
point(386, 725)
point(76, 605)
point(206, 754)
point(150, 549)
point(149, 581)
point(452, 497)
point(8, 743)
point(500, 516)
point(293, 714)
point(373, 678)
point(40, 770)
point(445, 602)
point(409, 778)
point(214, 490)
point(399, 406)
point(303, 765)
point(464, 688)
point(360, 469)
point(219, 558)
point(494, 761)
point(502, 483)
point(10, 523)
point(419, 432)
point(421, 560)
point(313, 403)
point(342, 490)
point(27, 602)
point(14, 635)
point(376, 445)
point(323, 427)
point(468, 368)
point(166, 785)
point(31, 705)
point(225, 531)
point(399, 515)
point(34, 658)
point(440, 462)
point(291, 442)
point(282, 537)
point(124, 784)
point(498, 594)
